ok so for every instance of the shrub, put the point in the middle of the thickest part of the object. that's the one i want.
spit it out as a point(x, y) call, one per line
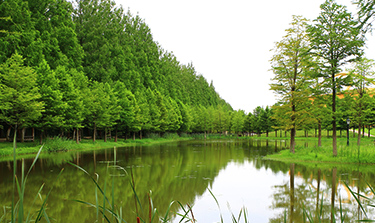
point(58, 144)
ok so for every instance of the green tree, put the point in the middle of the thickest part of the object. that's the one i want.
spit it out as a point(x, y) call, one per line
point(74, 87)
point(52, 97)
point(98, 26)
point(248, 125)
point(20, 103)
point(22, 37)
point(256, 122)
point(238, 121)
point(129, 107)
point(102, 108)
point(362, 74)
point(336, 39)
point(186, 117)
point(291, 65)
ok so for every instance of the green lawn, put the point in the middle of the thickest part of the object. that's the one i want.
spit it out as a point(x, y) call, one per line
point(365, 153)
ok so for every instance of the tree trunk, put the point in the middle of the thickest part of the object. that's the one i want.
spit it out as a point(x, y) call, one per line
point(94, 134)
point(292, 140)
point(134, 135)
point(8, 134)
point(369, 130)
point(105, 134)
point(353, 132)
point(77, 135)
point(319, 134)
point(23, 130)
point(267, 133)
point(275, 133)
point(359, 133)
point(334, 139)
point(363, 131)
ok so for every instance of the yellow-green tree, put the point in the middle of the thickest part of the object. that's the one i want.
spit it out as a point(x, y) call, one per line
point(291, 64)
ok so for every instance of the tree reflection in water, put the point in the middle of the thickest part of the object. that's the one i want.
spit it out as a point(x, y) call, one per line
point(183, 171)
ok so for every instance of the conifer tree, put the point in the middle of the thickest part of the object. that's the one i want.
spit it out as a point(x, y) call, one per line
point(20, 103)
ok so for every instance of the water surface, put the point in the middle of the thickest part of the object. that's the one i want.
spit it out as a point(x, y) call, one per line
point(233, 170)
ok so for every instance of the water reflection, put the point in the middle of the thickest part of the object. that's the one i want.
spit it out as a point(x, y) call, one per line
point(233, 170)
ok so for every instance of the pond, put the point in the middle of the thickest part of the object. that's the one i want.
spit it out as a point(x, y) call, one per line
point(188, 172)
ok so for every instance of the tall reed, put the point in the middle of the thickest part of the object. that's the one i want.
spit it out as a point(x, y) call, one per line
point(19, 187)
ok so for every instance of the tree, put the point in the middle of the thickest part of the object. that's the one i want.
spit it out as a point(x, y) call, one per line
point(19, 94)
point(265, 120)
point(238, 121)
point(336, 39)
point(362, 74)
point(291, 65)
point(255, 120)
point(52, 97)
point(99, 25)
point(129, 107)
point(74, 87)
point(102, 108)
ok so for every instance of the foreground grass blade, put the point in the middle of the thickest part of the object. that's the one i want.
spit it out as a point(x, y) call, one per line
point(221, 216)
point(42, 209)
point(186, 212)
point(356, 198)
point(96, 183)
point(166, 219)
point(102, 210)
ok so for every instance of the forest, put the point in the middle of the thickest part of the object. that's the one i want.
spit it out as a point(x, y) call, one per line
point(89, 65)
point(91, 69)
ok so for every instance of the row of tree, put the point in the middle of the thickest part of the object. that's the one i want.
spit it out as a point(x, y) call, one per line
point(67, 65)
point(307, 63)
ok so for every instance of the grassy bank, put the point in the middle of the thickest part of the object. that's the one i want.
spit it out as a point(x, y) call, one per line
point(64, 145)
point(307, 150)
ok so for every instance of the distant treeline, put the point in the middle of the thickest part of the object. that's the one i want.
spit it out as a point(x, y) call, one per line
point(68, 65)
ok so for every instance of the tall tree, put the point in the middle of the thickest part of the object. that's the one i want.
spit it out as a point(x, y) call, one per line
point(98, 26)
point(337, 39)
point(291, 65)
point(19, 94)
point(362, 74)
point(102, 107)
point(238, 121)
point(55, 106)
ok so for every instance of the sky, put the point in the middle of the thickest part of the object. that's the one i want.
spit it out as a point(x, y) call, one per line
point(227, 41)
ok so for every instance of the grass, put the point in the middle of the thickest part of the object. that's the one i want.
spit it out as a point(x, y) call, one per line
point(17, 210)
point(364, 154)
point(29, 149)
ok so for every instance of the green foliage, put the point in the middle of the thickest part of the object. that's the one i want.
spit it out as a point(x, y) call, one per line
point(19, 94)
point(336, 39)
point(99, 67)
point(58, 144)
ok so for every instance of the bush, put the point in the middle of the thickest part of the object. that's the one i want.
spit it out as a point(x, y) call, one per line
point(58, 144)
point(171, 136)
